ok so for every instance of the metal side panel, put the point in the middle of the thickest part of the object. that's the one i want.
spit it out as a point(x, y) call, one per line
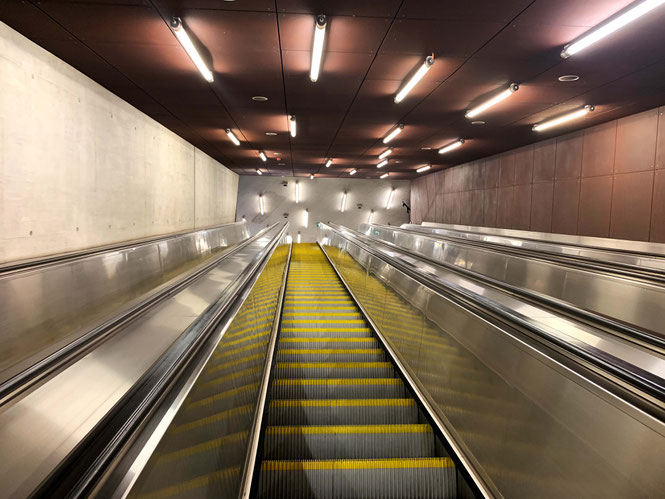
point(535, 427)
point(43, 308)
point(38, 430)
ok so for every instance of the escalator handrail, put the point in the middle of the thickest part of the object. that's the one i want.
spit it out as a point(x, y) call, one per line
point(634, 376)
point(611, 325)
point(81, 469)
point(40, 370)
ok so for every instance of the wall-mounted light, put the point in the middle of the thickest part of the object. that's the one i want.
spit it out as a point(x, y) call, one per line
point(261, 207)
point(186, 42)
point(429, 62)
point(343, 206)
point(232, 136)
point(391, 195)
point(297, 192)
point(395, 132)
point(317, 48)
point(384, 175)
point(292, 125)
point(514, 87)
point(423, 168)
point(386, 153)
point(298, 237)
point(244, 219)
point(289, 239)
point(370, 219)
point(329, 162)
point(382, 163)
point(451, 147)
point(305, 219)
point(563, 119)
point(311, 176)
point(353, 172)
point(600, 32)
point(263, 156)
point(259, 171)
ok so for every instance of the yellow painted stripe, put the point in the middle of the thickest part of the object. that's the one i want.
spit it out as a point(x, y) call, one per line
point(323, 321)
point(227, 475)
point(244, 410)
point(328, 329)
point(229, 353)
point(202, 447)
point(359, 464)
point(320, 302)
point(331, 351)
point(340, 381)
point(235, 362)
point(349, 429)
point(342, 365)
point(344, 403)
point(241, 340)
point(222, 395)
point(323, 340)
point(229, 377)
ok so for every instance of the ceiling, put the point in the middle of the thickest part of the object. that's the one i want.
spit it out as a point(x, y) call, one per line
point(263, 47)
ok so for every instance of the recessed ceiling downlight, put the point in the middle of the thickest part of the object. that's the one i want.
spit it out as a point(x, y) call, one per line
point(260, 98)
point(566, 78)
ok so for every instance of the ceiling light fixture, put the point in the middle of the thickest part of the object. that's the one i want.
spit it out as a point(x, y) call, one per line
point(311, 176)
point(384, 175)
point(423, 168)
point(271, 133)
point(567, 78)
point(563, 119)
point(317, 49)
point(353, 172)
point(396, 131)
point(390, 198)
point(382, 164)
point(297, 192)
point(429, 62)
point(329, 162)
point(259, 171)
point(514, 87)
point(343, 206)
point(371, 217)
point(306, 219)
point(261, 204)
point(600, 32)
point(451, 147)
point(386, 153)
point(232, 136)
point(478, 122)
point(259, 98)
point(292, 125)
point(186, 42)
point(263, 156)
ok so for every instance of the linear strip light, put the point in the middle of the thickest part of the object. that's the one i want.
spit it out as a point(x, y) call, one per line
point(423, 168)
point(343, 207)
point(306, 219)
point(384, 175)
point(259, 171)
point(600, 32)
point(232, 136)
point(317, 48)
point(382, 163)
point(263, 156)
point(371, 217)
point(429, 62)
point(396, 131)
point(353, 172)
point(261, 204)
point(390, 198)
point(329, 162)
point(386, 153)
point(186, 42)
point(297, 192)
point(545, 125)
point(292, 125)
point(451, 147)
point(514, 87)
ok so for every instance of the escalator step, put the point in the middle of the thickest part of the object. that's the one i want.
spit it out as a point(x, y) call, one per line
point(331, 355)
point(338, 388)
point(334, 370)
point(349, 442)
point(325, 333)
point(342, 412)
point(216, 484)
point(349, 478)
point(328, 342)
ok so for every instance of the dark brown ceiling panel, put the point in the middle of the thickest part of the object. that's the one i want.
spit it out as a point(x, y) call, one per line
point(262, 48)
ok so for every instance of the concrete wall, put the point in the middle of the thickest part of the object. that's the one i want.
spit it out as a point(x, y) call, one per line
point(606, 181)
point(80, 167)
point(322, 197)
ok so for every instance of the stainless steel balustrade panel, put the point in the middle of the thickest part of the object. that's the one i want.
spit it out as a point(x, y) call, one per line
point(44, 308)
point(535, 427)
point(597, 242)
point(634, 302)
point(588, 252)
point(40, 429)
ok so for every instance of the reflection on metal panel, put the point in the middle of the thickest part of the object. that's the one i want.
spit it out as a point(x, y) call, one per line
point(45, 308)
point(203, 451)
point(534, 427)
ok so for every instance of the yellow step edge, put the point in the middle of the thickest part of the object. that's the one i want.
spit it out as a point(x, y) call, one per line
point(359, 464)
point(341, 365)
point(236, 362)
point(202, 447)
point(401, 402)
point(323, 321)
point(228, 377)
point(222, 396)
point(349, 429)
point(339, 381)
point(331, 351)
point(328, 329)
point(245, 410)
point(229, 353)
point(331, 339)
point(198, 482)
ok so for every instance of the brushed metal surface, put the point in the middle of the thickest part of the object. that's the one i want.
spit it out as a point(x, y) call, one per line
point(537, 428)
point(40, 429)
point(631, 301)
point(43, 308)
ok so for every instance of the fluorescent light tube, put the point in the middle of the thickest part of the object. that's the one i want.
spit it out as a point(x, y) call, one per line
point(261, 204)
point(390, 198)
point(423, 168)
point(263, 156)
point(545, 125)
point(384, 175)
point(292, 125)
point(298, 237)
point(353, 172)
point(311, 176)
point(232, 136)
point(382, 163)
point(317, 48)
point(386, 153)
point(343, 207)
point(451, 147)
point(514, 87)
point(306, 219)
point(259, 171)
point(297, 192)
point(371, 217)
point(600, 32)
point(396, 131)
point(328, 163)
point(186, 42)
point(429, 62)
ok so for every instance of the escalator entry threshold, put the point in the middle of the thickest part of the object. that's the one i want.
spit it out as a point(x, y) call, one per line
point(340, 422)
